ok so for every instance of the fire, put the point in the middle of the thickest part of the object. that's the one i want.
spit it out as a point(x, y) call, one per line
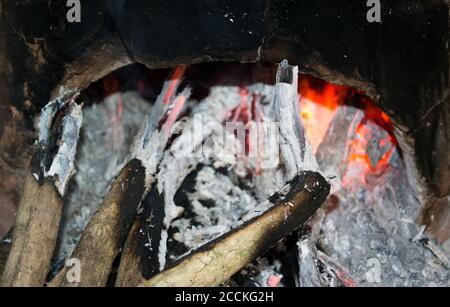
point(318, 105)
point(319, 102)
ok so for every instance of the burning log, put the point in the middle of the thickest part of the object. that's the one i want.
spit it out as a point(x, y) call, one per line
point(40, 209)
point(297, 154)
point(217, 261)
point(109, 226)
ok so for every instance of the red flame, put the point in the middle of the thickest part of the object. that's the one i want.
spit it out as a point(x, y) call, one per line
point(318, 104)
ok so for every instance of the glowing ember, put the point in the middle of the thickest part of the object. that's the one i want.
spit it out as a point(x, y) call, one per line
point(370, 150)
point(115, 116)
point(178, 105)
point(243, 113)
point(175, 79)
point(360, 163)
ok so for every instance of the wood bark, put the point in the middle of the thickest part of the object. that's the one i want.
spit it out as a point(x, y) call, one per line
point(34, 235)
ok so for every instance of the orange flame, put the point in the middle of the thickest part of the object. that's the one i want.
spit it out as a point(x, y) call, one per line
point(318, 106)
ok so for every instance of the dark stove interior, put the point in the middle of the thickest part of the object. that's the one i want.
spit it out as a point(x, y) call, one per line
point(370, 113)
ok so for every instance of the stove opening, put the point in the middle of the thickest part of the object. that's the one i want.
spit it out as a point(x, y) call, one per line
point(368, 220)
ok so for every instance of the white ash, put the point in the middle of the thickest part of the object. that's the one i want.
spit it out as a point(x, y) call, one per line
point(62, 166)
point(222, 148)
point(218, 206)
point(108, 131)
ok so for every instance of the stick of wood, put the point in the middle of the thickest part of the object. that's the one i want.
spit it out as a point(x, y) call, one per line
point(35, 233)
point(41, 205)
point(217, 261)
point(103, 238)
